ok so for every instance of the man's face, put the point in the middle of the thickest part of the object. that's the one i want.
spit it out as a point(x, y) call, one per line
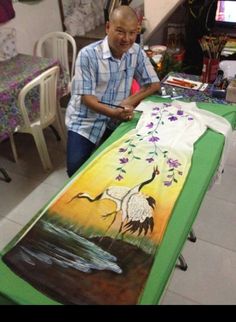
point(121, 35)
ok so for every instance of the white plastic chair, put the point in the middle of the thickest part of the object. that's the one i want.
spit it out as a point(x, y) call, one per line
point(48, 114)
point(56, 45)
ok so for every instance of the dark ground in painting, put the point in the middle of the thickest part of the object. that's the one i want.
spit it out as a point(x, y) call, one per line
point(71, 286)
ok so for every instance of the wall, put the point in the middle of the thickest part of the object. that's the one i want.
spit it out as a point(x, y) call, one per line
point(160, 35)
point(32, 21)
point(156, 13)
point(136, 3)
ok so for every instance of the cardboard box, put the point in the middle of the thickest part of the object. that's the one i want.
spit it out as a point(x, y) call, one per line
point(231, 92)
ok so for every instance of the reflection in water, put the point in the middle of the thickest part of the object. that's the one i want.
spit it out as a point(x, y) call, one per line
point(77, 252)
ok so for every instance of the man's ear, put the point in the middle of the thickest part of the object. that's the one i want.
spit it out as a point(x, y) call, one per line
point(107, 26)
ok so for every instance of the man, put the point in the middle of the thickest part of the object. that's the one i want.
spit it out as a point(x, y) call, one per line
point(103, 77)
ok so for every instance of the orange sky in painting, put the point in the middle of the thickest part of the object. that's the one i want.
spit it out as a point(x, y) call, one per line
point(99, 175)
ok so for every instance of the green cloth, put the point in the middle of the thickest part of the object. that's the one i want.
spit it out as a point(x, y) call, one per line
point(204, 165)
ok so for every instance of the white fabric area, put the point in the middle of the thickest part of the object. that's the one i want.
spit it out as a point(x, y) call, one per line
point(182, 135)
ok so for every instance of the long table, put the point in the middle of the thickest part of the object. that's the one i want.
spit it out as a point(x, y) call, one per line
point(16, 290)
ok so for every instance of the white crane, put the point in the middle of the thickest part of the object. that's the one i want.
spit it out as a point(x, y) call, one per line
point(136, 207)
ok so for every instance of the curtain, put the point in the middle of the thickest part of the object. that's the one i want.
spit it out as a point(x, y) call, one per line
point(6, 10)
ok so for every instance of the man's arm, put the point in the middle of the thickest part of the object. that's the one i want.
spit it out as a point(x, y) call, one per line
point(144, 92)
point(122, 114)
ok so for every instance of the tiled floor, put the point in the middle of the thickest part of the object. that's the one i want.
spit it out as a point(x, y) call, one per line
point(210, 278)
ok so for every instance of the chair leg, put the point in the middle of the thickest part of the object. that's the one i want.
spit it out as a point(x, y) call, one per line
point(55, 132)
point(5, 174)
point(61, 117)
point(61, 130)
point(42, 147)
point(13, 147)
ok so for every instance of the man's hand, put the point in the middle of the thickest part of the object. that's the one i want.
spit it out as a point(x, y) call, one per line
point(124, 114)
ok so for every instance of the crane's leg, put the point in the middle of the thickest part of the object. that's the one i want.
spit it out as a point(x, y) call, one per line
point(113, 220)
point(108, 215)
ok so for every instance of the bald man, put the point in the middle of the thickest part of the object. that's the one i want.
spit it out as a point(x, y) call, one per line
point(104, 72)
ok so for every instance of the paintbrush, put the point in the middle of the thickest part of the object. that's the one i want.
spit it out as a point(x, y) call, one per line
point(114, 105)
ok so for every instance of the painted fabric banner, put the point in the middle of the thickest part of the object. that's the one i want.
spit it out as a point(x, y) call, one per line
point(95, 243)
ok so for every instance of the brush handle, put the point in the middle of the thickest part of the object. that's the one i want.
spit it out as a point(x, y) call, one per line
point(119, 106)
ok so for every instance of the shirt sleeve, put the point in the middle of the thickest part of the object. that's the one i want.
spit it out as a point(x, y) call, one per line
point(85, 71)
point(144, 72)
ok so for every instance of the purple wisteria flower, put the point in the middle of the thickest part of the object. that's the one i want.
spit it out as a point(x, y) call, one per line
point(119, 177)
point(167, 183)
point(124, 160)
point(173, 163)
point(122, 150)
point(180, 112)
point(156, 109)
point(149, 160)
point(190, 118)
point(173, 118)
point(154, 139)
point(150, 125)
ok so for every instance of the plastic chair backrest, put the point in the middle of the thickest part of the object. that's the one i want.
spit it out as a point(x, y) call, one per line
point(47, 83)
point(55, 45)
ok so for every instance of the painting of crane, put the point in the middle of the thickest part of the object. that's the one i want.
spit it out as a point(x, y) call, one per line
point(135, 207)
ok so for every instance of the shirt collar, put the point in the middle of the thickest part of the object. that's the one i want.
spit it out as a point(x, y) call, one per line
point(106, 52)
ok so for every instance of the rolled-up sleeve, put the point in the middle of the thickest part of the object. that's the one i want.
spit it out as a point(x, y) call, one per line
point(144, 72)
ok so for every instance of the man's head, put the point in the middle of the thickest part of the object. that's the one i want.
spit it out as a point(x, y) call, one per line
point(121, 30)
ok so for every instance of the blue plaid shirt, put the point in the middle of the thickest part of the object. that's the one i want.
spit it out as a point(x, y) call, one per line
point(98, 73)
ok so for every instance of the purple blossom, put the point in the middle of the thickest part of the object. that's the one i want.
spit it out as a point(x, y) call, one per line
point(154, 114)
point(173, 163)
point(173, 118)
point(149, 160)
point(149, 125)
point(13, 122)
point(122, 150)
point(5, 97)
point(154, 139)
point(156, 109)
point(13, 85)
point(190, 118)
point(167, 183)
point(180, 112)
point(124, 160)
point(119, 177)
point(35, 105)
